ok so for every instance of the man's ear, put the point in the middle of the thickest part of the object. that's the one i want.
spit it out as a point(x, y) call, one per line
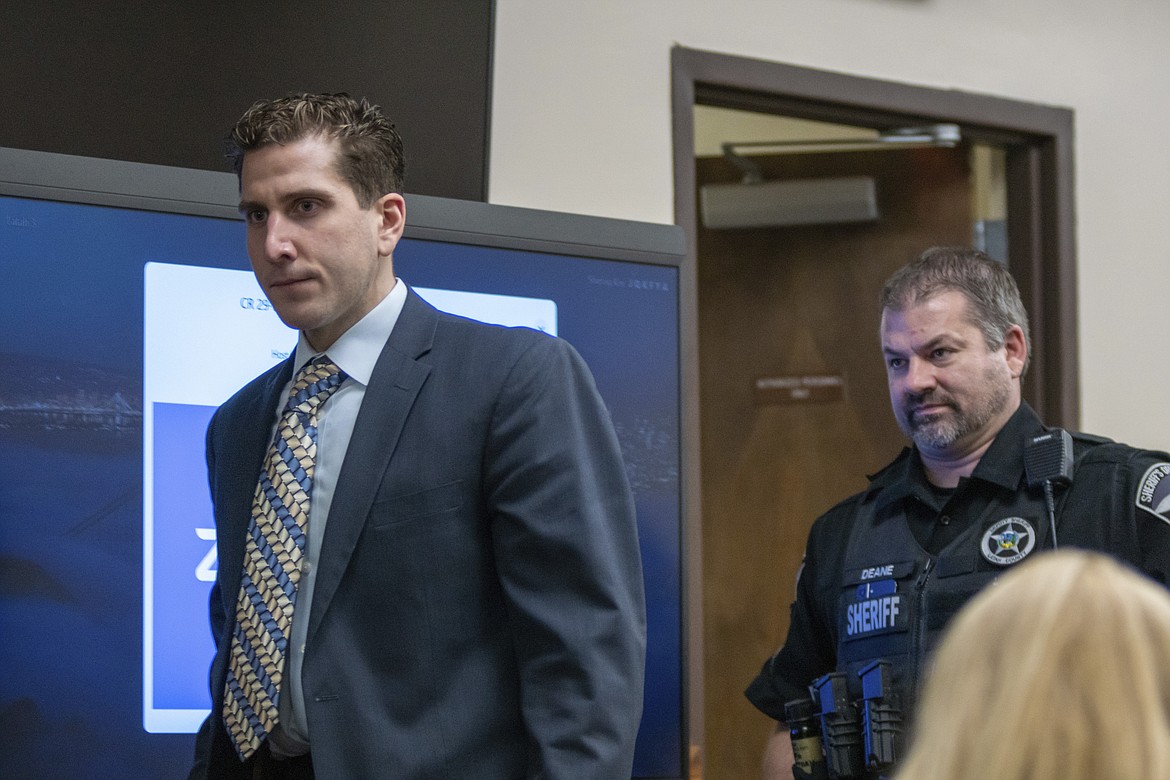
point(1015, 349)
point(391, 209)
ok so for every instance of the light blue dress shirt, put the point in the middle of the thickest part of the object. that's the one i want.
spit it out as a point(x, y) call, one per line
point(355, 352)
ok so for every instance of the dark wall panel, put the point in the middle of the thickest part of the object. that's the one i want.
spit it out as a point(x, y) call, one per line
point(162, 82)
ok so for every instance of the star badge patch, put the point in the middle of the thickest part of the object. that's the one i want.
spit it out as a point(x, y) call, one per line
point(1008, 541)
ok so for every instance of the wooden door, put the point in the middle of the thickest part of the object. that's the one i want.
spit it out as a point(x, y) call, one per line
point(778, 304)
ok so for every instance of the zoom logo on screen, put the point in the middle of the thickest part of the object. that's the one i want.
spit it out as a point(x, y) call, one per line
point(195, 319)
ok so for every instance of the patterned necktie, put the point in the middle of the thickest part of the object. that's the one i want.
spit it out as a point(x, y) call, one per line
point(272, 561)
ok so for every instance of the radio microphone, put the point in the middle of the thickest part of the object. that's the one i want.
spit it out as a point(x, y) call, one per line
point(1048, 461)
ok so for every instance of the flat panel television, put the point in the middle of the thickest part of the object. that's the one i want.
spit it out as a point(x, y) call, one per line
point(122, 283)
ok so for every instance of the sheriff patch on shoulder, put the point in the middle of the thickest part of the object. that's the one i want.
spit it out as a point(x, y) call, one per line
point(1154, 491)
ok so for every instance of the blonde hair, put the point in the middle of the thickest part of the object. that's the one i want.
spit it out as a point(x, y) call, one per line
point(1059, 671)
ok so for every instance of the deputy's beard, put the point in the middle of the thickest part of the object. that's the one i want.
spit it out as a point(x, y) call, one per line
point(940, 430)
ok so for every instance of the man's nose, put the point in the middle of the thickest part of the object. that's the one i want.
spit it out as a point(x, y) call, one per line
point(919, 376)
point(278, 244)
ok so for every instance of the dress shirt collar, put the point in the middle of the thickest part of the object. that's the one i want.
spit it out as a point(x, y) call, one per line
point(356, 351)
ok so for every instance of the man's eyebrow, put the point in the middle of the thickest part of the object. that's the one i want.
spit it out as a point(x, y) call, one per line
point(290, 197)
point(944, 340)
point(949, 337)
point(940, 340)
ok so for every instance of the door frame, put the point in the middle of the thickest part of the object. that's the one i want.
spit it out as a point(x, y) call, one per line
point(1038, 141)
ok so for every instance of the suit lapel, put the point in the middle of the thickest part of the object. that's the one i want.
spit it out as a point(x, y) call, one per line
point(394, 385)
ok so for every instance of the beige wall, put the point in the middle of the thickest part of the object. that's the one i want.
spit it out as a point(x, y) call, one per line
point(581, 122)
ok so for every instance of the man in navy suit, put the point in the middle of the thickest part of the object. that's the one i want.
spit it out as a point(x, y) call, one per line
point(470, 598)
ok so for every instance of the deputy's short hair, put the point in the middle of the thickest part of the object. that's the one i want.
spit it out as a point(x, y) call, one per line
point(991, 292)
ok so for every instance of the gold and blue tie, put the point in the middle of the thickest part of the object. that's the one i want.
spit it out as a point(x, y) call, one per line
point(272, 561)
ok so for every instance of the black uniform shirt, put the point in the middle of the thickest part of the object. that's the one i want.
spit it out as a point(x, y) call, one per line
point(1118, 504)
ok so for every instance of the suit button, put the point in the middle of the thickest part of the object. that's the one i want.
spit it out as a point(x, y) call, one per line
point(945, 519)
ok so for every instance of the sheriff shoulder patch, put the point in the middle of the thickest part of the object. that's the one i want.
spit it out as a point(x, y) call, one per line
point(1153, 494)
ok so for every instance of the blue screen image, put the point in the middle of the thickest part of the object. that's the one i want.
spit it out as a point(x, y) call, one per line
point(76, 595)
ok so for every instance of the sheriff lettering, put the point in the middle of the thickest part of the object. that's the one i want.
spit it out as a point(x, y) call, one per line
point(874, 615)
point(1150, 483)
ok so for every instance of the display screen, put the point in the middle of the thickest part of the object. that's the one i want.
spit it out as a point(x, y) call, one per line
point(123, 329)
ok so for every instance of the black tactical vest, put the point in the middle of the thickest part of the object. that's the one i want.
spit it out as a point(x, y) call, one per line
point(895, 598)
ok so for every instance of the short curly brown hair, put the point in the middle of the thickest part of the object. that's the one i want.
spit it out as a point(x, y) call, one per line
point(370, 158)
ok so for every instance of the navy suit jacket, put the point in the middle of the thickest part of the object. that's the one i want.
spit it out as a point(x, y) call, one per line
point(478, 609)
